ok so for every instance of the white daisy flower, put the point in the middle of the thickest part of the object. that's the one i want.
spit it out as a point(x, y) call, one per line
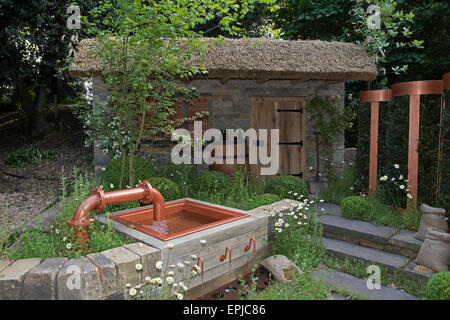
point(396, 166)
point(170, 245)
point(148, 279)
point(139, 267)
point(132, 291)
point(159, 264)
point(169, 280)
point(69, 246)
point(203, 241)
point(179, 296)
point(402, 187)
point(140, 244)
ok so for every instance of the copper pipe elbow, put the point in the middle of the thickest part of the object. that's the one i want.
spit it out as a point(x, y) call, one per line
point(98, 201)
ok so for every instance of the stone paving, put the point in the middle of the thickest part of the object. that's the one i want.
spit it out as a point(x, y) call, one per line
point(359, 286)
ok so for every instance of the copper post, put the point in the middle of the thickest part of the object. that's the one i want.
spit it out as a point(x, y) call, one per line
point(374, 96)
point(415, 89)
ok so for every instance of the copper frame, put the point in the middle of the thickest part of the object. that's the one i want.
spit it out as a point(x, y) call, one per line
point(415, 89)
point(374, 97)
point(220, 216)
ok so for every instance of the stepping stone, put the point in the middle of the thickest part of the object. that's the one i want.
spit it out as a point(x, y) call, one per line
point(359, 286)
point(412, 273)
point(355, 229)
point(367, 255)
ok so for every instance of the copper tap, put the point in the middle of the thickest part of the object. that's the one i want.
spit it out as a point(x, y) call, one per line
point(199, 259)
point(99, 199)
point(250, 245)
point(222, 257)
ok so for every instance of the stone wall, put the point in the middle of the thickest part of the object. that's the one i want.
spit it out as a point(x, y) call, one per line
point(229, 108)
point(97, 276)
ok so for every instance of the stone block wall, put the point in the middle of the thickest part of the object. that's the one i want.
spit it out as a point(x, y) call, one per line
point(97, 276)
point(229, 108)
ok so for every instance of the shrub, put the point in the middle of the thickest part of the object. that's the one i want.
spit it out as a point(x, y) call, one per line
point(438, 287)
point(286, 186)
point(111, 175)
point(184, 175)
point(167, 187)
point(355, 208)
point(265, 199)
point(213, 182)
point(29, 155)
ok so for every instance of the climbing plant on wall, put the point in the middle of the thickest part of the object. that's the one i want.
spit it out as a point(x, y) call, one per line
point(330, 118)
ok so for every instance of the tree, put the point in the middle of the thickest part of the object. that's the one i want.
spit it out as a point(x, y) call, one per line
point(146, 47)
point(32, 51)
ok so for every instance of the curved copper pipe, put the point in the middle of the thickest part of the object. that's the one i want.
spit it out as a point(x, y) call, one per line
point(99, 199)
point(199, 259)
point(446, 81)
point(250, 245)
point(222, 257)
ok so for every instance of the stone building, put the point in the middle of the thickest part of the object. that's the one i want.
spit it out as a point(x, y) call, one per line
point(255, 83)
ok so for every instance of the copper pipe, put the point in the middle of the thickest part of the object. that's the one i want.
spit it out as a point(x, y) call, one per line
point(374, 97)
point(98, 201)
point(250, 245)
point(415, 89)
point(222, 257)
point(199, 259)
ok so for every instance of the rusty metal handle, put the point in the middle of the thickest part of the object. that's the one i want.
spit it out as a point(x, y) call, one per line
point(250, 245)
point(223, 256)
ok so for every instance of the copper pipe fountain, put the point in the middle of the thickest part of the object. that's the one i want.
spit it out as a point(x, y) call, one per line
point(250, 245)
point(99, 199)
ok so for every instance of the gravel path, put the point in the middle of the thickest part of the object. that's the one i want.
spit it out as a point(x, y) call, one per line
point(21, 199)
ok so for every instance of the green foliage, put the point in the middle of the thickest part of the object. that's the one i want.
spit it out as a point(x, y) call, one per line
point(59, 242)
point(289, 187)
point(30, 155)
point(340, 187)
point(213, 182)
point(168, 188)
point(438, 287)
point(147, 49)
point(331, 118)
point(264, 199)
point(355, 208)
point(185, 176)
point(111, 175)
point(298, 236)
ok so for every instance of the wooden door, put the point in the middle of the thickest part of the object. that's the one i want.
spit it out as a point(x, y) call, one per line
point(288, 115)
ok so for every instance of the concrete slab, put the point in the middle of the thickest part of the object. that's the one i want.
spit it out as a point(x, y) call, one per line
point(3, 265)
point(359, 286)
point(356, 229)
point(367, 255)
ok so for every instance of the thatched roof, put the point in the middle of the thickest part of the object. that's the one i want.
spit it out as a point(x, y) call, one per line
point(268, 59)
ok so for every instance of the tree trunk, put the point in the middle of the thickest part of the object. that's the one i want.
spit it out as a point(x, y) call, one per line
point(35, 110)
point(132, 173)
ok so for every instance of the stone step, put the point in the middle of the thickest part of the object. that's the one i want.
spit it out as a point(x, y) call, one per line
point(359, 286)
point(374, 256)
point(365, 254)
point(366, 234)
